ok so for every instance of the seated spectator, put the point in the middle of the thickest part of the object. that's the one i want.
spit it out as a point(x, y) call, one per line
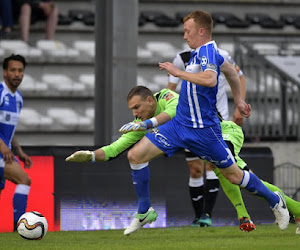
point(30, 11)
point(6, 18)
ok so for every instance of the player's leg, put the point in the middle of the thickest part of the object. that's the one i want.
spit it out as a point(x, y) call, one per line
point(14, 173)
point(218, 153)
point(233, 193)
point(139, 157)
point(196, 184)
point(253, 184)
point(211, 190)
point(155, 143)
point(292, 205)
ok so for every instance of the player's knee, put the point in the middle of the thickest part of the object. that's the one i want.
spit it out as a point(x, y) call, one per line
point(196, 169)
point(24, 179)
point(131, 156)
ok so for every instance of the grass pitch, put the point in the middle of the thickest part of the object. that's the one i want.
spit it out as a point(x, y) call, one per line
point(265, 237)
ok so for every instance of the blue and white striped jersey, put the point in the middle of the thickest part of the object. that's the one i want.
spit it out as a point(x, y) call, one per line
point(197, 104)
point(10, 107)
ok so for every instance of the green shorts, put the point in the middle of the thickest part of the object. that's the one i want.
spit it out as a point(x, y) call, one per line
point(234, 133)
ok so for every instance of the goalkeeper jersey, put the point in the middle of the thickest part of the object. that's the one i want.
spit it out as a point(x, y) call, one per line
point(166, 101)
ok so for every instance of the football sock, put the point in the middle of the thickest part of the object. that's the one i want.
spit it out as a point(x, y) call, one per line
point(141, 180)
point(196, 194)
point(254, 185)
point(233, 193)
point(292, 205)
point(211, 189)
point(20, 200)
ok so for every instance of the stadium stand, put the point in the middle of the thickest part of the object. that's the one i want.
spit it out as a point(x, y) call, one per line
point(62, 71)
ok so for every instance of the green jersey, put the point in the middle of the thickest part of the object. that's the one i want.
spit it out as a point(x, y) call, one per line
point(166, 101)
point(234, 133)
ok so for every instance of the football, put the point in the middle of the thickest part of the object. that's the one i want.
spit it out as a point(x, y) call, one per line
point(32, 226)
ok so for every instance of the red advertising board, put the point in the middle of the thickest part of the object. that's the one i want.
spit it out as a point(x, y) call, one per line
point(41, 196)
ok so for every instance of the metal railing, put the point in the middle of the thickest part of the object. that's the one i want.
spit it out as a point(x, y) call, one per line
point(273, 94)
point(287, 177)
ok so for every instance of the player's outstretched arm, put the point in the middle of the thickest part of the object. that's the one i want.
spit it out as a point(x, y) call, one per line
point(87, 156)
point(81, 156)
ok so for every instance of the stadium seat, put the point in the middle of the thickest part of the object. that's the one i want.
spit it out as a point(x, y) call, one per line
point(162, 49)
point(151, 15)
point(141, 80)
point(10, 46)
point(30, 119)
point(266, 48)
point(79, 14)
point(264, 21)
point(180, 15)
point(27, 87)
point(59, 84)
point(229, 20)
point(85, 47)
point(166, 21)
point(290, 18)
point(57, 50)
point(64, 19)
point(88, 81)
point(90, 112)
point(144, 53)
point(66, 117)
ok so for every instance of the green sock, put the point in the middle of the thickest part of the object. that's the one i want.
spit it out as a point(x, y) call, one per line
point(292, 205)
point(233, 193)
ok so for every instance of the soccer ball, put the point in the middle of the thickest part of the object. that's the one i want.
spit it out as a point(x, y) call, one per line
point(32, 226)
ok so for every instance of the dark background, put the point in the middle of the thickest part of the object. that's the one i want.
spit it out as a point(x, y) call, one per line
point(169, 182)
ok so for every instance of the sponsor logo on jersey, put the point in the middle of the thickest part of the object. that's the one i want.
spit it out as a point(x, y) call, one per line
point(6, 100)
point(168, 96)
point(162, 140)
point(211, 66)
point(203, 60)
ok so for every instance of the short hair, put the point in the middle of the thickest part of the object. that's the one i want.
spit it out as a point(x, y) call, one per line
point(202, 19)
point(142, 91)
point(13, 57)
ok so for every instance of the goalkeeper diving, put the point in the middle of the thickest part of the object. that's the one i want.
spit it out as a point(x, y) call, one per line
point(151, 110)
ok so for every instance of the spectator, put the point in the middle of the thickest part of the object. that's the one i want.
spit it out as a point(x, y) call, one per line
point(6, 18)
point(30, 11)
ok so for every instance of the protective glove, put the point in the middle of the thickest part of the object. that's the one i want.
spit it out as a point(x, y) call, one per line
point(133, 126)
point(82, 156)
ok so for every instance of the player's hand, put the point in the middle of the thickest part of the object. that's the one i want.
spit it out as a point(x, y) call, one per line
point(26, 159)
point(170, 67)
point(244, 108)
point(237, 117)
point(133, 126)
point(80, 156)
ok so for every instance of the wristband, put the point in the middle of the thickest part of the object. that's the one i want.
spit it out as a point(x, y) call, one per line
point(93, 159)
point(150, 123)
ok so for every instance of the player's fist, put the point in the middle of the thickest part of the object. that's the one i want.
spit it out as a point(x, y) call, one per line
point(81, 156)
point(133, 126)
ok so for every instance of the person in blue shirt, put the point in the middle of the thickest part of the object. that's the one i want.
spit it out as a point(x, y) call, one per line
point(196, 125)
point(11, 103)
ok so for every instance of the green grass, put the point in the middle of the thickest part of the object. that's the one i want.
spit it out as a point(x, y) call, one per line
point(265, 237)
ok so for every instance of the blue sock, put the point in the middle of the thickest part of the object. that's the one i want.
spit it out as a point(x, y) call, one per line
point(19, 203)
point(141, 180)
point(254, 185)
point(20, 200)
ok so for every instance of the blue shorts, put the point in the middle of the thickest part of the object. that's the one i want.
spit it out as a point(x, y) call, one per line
point(206, 143)
point(2, 180)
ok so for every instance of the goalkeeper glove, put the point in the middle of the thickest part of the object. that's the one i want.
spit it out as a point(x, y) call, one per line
point(139, 126)
point(82, 156)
